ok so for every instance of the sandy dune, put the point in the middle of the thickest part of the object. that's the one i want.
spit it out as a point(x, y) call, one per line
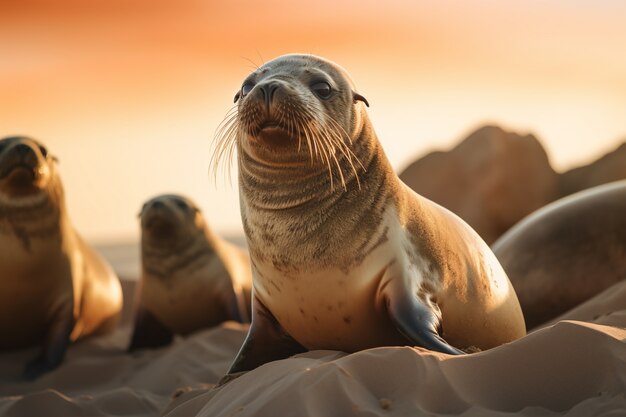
point(573, 368)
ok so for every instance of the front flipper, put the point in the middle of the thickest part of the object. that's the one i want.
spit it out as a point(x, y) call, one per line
point(266, 341)
point(55, 343)
point(149, 332)
point(413, 317)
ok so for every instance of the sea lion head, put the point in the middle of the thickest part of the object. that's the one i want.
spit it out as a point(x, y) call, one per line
point(169, 218)
point(31, 193)
point(299, 110)
point(26, 168)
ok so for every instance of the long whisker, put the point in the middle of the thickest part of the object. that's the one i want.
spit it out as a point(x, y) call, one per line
point(299, 133)
point(227, 139)
point(218, 153)
point(304, 128)
point(325, 152)
point(231, 150)
point(330, 147)
point(329, 144)
point(288, 119)
point(224, 142)
point(344, 148)
point(341, 142)
point(254, 65)
point(314, 142)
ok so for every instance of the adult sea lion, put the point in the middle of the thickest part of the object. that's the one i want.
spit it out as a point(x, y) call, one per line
point(566, 252)
point(54, 289)
point(344, 255)
point(191, 279)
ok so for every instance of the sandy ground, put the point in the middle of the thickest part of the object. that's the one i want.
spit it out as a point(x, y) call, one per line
point(576, 367)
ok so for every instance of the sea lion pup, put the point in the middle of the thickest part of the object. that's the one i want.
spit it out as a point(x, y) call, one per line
point(191, 279)
point(54, 289)
point(566, 252)
point(344, 255)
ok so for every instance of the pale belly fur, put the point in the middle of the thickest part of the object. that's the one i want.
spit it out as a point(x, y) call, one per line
point(189, 300)
point(344, 309)
point(331, 308)
point(30, 290)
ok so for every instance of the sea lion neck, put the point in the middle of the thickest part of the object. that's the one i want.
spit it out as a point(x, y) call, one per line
point(309, 212)
point(41, 216)
point(301, 183)
point(165, 258)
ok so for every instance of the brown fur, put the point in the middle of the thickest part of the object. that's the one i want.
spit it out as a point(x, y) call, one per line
point(54, 289)
point(567, 252)
point(191, 279)
point(344, 255)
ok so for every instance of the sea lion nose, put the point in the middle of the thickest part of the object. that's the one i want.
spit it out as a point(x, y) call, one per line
point(267, 91)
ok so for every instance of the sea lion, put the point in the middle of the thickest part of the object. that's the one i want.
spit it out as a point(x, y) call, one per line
point(567, 252)
point(191, 279)
point(344, 255)
point(54, 289)
point(492, 179)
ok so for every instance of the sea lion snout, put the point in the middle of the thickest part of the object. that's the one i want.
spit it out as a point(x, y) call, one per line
point(267, 97)
point(157, 205)
point(165, 204)
point(18, 156)
point(162, 216)
point(275, 111)
point(23, 165)
point(157, 214)
point(267, 90)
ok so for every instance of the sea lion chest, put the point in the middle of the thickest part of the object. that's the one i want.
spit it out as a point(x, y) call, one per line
point(190, 298)
point(33, 283)
point(336, 307)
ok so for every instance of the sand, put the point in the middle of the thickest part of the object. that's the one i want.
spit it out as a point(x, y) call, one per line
point(575, 367)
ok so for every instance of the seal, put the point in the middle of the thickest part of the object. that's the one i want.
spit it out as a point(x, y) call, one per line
point(566, 252)
point(191, 279)
point(344, 255)
point(54, 289)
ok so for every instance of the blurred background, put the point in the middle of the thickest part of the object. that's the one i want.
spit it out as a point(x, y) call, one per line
point(128, 93)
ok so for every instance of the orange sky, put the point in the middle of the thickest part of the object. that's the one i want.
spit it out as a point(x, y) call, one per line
point(128, 93)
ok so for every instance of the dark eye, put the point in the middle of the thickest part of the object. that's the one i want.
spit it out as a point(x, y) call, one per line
point(246, 88)
point(322, 89)
point(181, 204)
point(43, 150)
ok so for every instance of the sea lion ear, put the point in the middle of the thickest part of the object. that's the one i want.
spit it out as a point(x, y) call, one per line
point(237, 96)
point(358, 97)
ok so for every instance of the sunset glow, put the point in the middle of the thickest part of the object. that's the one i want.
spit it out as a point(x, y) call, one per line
point(128, 94)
